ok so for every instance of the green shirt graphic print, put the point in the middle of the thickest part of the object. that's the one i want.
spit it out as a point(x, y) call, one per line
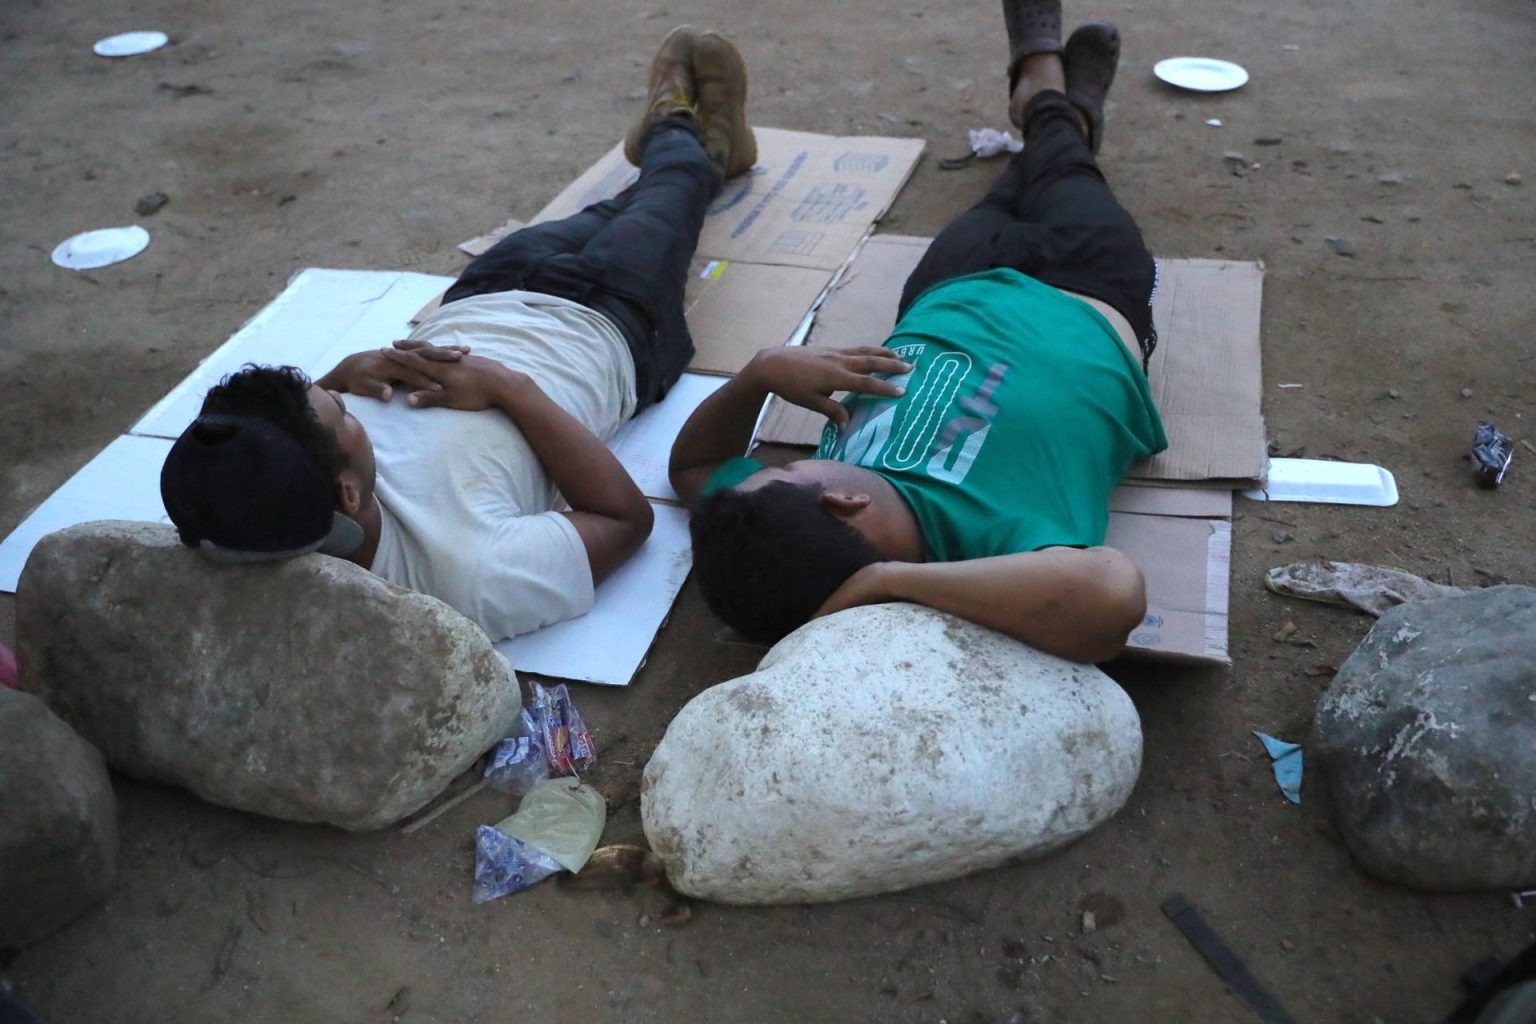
point(1023, 410)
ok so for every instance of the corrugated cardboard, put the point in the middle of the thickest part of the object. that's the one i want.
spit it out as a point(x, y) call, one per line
point(1187, 563)
point(773, 238)
point(808, 203)
point(1205, 375)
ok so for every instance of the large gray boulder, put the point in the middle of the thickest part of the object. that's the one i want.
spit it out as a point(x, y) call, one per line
point(58, 829)
point(1427, 741)
point(881, 748)
point(307, 689)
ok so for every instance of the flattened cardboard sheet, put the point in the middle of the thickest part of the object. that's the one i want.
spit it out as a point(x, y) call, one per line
point(608, 645)
point(808, 203)
point(1187, 563)
point(121, 482)
point(1206, 375)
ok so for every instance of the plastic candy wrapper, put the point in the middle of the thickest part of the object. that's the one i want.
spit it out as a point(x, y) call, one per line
point(567, 743)
point(518, 762)
point(1492, 453)
point(556, 828)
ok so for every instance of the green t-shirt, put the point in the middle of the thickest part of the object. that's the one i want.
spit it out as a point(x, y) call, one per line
point(1022, 411)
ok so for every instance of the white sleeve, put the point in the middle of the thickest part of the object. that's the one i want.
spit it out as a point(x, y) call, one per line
point(535, 573)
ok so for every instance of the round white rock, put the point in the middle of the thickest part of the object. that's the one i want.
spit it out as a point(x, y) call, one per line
point(882, 748)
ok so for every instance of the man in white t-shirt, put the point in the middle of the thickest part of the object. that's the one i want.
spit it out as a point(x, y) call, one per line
point(439, 463)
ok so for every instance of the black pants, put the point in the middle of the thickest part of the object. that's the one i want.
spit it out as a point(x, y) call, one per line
point(626, 257)
point(1052, 216)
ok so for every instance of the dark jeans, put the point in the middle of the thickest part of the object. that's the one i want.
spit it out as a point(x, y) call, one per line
point(1052, 216)
point(626, 257)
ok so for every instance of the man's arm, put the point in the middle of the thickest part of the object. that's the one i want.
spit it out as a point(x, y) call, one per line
point(1078, 603)
point(607, 509)
point(721, 427)
point(374, 374)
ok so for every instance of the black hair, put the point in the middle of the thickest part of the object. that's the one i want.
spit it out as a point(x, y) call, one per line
point(279, 395)
point(766, 559)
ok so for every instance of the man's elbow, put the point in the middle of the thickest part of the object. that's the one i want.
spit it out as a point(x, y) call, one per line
point(1122, 600)
point(641, 520)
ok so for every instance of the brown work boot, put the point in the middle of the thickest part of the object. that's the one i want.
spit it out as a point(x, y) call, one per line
point(672, 89)
point(720, 78)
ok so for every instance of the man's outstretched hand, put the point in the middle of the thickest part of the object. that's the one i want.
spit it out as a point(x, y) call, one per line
point(807, 377)
point(374, 373)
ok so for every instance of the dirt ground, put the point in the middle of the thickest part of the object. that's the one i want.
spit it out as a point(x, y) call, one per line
point(1379, 146)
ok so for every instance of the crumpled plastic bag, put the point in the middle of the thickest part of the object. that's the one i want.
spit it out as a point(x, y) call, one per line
point(556, 828)
point(989, 142)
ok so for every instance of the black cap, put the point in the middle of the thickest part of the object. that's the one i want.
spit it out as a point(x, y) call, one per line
point(240, 489)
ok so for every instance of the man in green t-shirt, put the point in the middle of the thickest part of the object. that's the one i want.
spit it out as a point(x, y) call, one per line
point(970, 467)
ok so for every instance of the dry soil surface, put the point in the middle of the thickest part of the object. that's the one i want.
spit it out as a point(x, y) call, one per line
point(1373, 163)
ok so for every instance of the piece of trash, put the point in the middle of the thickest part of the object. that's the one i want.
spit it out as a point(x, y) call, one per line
point(1290, 46)
point(1287, 765)
point(1286, 387)
point(1214, 122)
point(101, 248)
point(130, 44)
point(556, 828)
point(518, 762)
point(1513, 178)
point(1373, 589)
point(1492, 453)
point(1332, 483)
point(989, 142)
point(1519, 898)
point(149, 205)
point(1390, 178)
point(567, 743)
point(1201, 74)
point(621, 866)
point(1267, 140)
point(8, 670)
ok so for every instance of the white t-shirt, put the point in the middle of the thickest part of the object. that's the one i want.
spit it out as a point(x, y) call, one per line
point(467, 507)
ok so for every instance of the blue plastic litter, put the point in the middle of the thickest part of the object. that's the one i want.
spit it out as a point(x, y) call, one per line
point(1287, 765)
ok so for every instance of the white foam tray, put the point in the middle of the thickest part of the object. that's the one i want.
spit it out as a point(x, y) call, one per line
point(1334, 483)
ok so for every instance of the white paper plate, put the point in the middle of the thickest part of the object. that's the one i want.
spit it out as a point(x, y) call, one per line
point(130, 43)
point(1334, 483)
point(101, 248)
point(1202, 74)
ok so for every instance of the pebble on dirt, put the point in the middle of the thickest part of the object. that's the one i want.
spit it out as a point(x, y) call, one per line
point(149, 205)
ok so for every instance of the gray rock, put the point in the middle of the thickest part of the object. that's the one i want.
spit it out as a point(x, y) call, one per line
point(1427, 741)
point(307, 689)
point(58, 833)
point(881, 748)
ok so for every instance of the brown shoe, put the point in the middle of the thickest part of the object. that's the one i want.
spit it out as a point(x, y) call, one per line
point(1092, 55)
point(672, 88)
point(720, 77)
